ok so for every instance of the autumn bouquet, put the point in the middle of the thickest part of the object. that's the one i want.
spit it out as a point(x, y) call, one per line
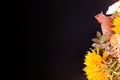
point(103, 60)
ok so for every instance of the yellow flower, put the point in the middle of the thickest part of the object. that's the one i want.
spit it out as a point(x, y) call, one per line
point(116, 23)
point(95, 65)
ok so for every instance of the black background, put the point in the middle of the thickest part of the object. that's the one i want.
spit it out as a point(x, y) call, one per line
point(47, 40)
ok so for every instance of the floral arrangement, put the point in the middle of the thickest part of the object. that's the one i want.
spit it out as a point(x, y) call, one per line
point(103, 60)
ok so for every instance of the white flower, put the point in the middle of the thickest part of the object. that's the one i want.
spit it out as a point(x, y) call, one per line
point(119, 10)
point(114, 8)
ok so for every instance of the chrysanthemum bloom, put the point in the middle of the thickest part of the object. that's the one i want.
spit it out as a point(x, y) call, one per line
point(116, 23)
point(95, 65)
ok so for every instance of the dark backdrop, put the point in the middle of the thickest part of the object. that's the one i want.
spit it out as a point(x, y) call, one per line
point(51, 38)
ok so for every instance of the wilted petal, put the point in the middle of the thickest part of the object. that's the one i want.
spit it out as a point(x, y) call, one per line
point(105, 23)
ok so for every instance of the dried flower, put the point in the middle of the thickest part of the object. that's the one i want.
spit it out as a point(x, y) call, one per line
point(116, 23)
point(105, 22)
point(103, 62)
point(95, 66)
point(114, 8)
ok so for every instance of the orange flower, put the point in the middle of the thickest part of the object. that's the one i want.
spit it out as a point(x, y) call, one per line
point(95, 65)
